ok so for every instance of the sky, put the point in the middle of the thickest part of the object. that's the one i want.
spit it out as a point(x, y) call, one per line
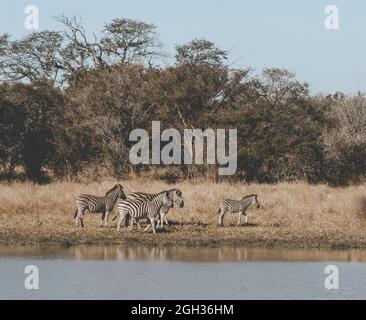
point(258, 34)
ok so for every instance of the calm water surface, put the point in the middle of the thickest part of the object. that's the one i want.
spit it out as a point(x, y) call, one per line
point(180, 273)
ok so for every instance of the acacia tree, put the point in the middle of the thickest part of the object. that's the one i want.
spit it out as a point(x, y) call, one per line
point(126, 41)
point(196, 84)
point(57, 57)
point(198, 52)
point(35, 57)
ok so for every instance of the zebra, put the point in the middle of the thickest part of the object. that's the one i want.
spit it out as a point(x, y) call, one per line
point(174, 194)
point(142, 208)
point(97, 204)
point(239, 206)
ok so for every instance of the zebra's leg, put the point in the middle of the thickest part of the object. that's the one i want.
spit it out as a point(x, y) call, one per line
point(152, 221)
point(102, 219)
point(221, 216)
point(161, 220)
point(106, 218)
point(79, 218)
point(82, 220)
point(120, 220)
point(246, 218)
point(126, 220)
point(239, 220)
point(158, 220)
point(166, 221)
point(131, 223)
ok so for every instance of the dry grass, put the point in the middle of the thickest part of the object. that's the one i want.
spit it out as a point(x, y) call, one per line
point(291, 215)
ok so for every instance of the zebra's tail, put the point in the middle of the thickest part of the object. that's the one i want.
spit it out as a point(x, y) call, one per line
point(76, 213)
point(115, 217)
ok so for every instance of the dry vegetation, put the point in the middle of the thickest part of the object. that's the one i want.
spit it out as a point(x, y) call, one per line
point(291, 215)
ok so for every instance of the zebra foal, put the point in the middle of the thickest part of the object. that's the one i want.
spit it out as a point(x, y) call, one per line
point(239, 206)
point(95, 204)
point(137, 209)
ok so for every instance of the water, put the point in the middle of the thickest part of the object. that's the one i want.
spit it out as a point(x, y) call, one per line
point(180, 273)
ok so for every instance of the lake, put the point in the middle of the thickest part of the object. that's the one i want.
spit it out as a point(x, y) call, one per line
point(118, 272)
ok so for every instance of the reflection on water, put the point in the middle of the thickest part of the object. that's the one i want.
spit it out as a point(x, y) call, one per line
point(221, 254)
point(119, 272)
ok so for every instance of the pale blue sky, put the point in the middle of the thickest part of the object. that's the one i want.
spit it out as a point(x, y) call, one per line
point(261, 33)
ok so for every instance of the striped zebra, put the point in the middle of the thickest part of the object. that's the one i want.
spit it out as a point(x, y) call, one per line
point(95, 204)
point(137, 209)
point(239, 206)
point(174, 194)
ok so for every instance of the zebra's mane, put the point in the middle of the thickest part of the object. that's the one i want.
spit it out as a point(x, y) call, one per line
point(158, 194)
point(250, 196)
point(174, 190)
point(111, 190)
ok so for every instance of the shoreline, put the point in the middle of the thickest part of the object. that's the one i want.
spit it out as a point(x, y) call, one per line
point(176, 239)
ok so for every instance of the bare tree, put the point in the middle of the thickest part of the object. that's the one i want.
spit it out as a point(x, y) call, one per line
point(80, 52)
point(350, 116)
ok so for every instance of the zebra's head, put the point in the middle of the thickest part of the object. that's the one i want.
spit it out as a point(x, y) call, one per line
point(117, 190)
point(252, 200)
point(178, 198)
point(121, 193)
point(255, 201)
point(167, 201)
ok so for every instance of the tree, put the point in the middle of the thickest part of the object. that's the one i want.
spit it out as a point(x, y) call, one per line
point(126, 41)
point(200, 51)
point(57, 57)
point(345, 141)
point(35, 57)
point(280, 130)
point(198, 83)
point(80, 52)
point(110, 103)
point(278, 86)
point(10, 140)
point(32, 114)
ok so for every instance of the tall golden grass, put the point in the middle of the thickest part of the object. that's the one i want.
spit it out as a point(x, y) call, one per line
point(291, 214)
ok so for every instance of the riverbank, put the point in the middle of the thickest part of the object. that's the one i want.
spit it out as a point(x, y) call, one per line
point(292, 215)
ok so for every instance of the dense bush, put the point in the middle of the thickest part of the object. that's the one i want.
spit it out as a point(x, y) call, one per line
point(69, 104)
